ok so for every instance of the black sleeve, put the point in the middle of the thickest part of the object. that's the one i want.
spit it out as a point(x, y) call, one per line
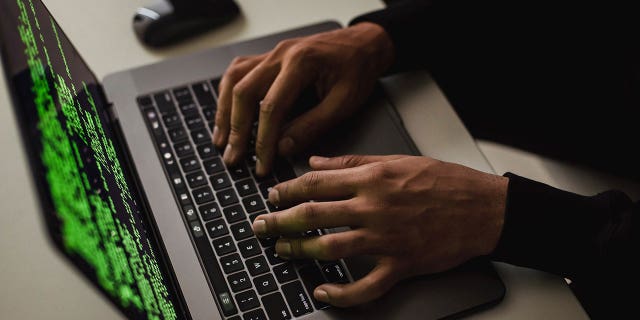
point(403, 21)
point(590, 240)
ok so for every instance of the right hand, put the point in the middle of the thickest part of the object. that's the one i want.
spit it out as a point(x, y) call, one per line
point(342, 65)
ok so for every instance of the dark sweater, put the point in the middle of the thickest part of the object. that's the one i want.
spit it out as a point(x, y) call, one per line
point(556, 79)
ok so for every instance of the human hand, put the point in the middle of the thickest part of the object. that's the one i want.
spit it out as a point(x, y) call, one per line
point(415, 215)
point(342, 65)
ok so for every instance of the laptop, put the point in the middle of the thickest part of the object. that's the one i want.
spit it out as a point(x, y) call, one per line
point(137, 198)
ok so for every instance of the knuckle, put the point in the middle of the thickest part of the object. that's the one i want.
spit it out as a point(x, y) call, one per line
point(379, 171)
point(301, 52)
point(350, 160)
point(308, 212)
point(296, 247)
point(273, 221)
point(267, 108)
point(239, 92)
point(238, 60)
point(329, 248)
point(261, 147)
point(284, 44)
point(233, 74)
point(310, 182)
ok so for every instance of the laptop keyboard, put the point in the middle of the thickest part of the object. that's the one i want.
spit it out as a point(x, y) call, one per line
point(219, 204)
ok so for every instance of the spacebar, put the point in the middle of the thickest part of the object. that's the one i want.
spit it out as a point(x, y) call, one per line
point(220, 288)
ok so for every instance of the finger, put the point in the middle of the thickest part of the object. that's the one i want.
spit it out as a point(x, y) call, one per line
point(348, 161)
point(236, 71)
point(368, 288)
point(307, 127)
point(315, 185)
point(279, 99)
point(246, 95)
point(327, 247)
point(306, 216)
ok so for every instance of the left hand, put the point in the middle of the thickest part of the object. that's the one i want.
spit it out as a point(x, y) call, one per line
point(415, 215)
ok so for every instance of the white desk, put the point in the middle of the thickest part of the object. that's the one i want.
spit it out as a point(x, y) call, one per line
point(36, 283)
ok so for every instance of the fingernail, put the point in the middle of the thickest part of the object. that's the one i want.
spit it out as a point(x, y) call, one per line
point(286, 145)
point(216, 133)
point(260, 170)
point(228, 154)
point(274, 197)
point(283, 248)
point(321, 295)
point(259, 227)
point(317, 159)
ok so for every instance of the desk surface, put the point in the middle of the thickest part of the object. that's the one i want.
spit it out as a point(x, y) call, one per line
point(37, 283)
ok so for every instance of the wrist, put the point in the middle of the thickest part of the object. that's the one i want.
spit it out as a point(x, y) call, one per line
point(375, 41)
point(498, 187)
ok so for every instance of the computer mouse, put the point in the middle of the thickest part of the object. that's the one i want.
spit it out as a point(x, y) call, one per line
point(162, 24)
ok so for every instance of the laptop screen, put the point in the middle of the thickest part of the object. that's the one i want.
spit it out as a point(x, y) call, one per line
point(91, 206)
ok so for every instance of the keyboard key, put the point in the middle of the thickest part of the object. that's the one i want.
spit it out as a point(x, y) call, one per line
point(190, 212)
point(144, 101)
point(234, 214)
point(265, 187)
point(275, 307)
point(246, 187)
point(217, 228)
point(239, 281)
point(231, 263)
point(249, 248)
point(171, 120)
point(283, 170)
point(252, 159)
point(194, 122)
point(188, 109)
point(334, 272)
point(296, 298)
point(177, 134)
point(196, 179)
point(239, 172)
point(273, 257)
point(285, 272)
point(215, 84)
point(165, 103)
point(213, 166)
point(257, 314)
point(312, 278)
point(209, 211)
point(207, 151)
point(253, 216)
point(183, 149)
point(227, 197)
point(209, 114)
point(268, 242)
point(200, 136)
point(247, 300)
point(224, 246)
point(220, 181)
point(183, 197)
point(253, 203)
point(265, 284)
point(203, 94)
point(196, 229)
point(241, 231)
point(182, 94)
point(203, 195)
point(257, 265)
point(189, 164)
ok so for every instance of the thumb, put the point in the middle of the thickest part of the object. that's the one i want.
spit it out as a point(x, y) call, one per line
point(348, 161)
point(370, 287)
